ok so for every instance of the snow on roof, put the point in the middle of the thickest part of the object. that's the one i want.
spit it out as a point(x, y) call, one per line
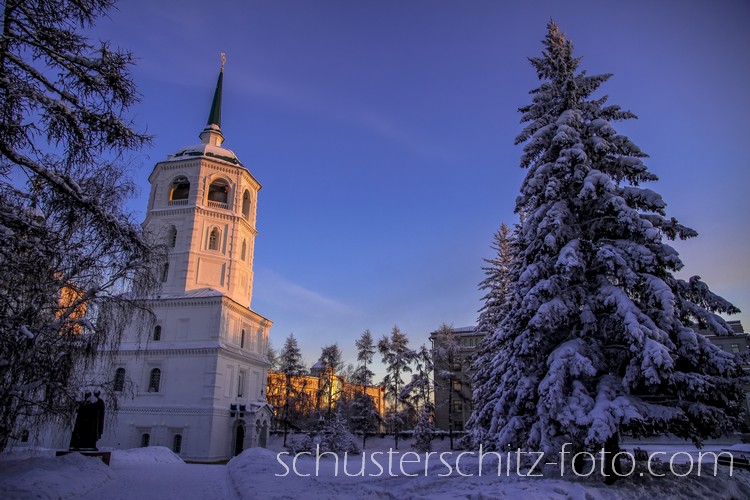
point(465, 329)
point(735, 325)
point(208, 151)
point(462, 331)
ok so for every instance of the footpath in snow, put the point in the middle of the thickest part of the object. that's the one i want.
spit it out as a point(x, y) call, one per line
point(156, 472)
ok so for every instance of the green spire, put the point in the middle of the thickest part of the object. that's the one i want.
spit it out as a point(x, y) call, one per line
point(214, 117)
point(212, 132)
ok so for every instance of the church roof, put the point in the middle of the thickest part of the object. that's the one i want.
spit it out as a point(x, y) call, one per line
point(208, 151)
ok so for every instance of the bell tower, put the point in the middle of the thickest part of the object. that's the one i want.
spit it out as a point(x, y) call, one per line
point(198, 376)
point(203, 203)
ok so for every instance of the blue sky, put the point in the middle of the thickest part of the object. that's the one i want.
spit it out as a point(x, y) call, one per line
point(382, 133)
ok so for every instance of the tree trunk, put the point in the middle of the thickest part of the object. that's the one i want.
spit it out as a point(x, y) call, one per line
point(611, 466)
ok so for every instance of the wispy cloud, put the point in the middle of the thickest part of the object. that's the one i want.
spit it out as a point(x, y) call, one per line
point(274, 291)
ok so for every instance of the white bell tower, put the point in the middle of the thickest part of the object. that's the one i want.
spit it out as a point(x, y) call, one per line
point(197, 380)
point(203, 203)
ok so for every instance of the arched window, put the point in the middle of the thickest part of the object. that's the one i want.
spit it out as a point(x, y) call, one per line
point(242, 339)
point(153, 380)
point(157, 332)
point(177, 443)
point(246, 204)
point(244, 250)
point(119, 383)
point(180, 189)
point(172, 237)
point(213, 239)
point(165, 272)
point(145, 439)
point(218, 192)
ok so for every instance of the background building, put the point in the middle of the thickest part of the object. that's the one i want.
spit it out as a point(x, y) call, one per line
point(456, 397)
point(311, 394)
point(453, 394)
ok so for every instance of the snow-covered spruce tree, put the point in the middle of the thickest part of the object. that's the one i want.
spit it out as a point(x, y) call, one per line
point(419, 389)
point(425, 428)
point(336, 437)
point(497, 281)
point(273, 357)
point(397, 358)
point(329, 388)
point(365, 353)
point(291, 365)
point(417, 395)
point(364, 415)
point(69, 249)
point(599, 337)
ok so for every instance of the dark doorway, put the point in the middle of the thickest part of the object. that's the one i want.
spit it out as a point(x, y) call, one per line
point(239, 440)
point(263, 435)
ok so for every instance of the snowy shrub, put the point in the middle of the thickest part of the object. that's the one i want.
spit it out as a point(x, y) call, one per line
point(337, 438)
point(423, 432)
point(298, 443)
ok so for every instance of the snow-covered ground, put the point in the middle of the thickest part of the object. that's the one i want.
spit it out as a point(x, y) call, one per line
point(156, 472)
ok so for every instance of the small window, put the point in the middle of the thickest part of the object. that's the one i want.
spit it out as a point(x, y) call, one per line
point(180, 189)
point(177, 443)
point(145, 439)
point(25, 436)
point(735, 348)
point(246, 204)
point(165, 273)
point(172, 237)
point(240, 384)
point(456, 385)
point(244, 250)
point(218, 191)
point(242, 339)
point(157, 332)
point(213, 239)
point(154, 380)
point(457, 405)
point(119, 383)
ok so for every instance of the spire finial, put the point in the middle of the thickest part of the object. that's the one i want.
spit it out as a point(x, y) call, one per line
point(223, 61)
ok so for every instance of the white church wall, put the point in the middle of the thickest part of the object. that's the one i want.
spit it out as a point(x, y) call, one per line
point(205, 363)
